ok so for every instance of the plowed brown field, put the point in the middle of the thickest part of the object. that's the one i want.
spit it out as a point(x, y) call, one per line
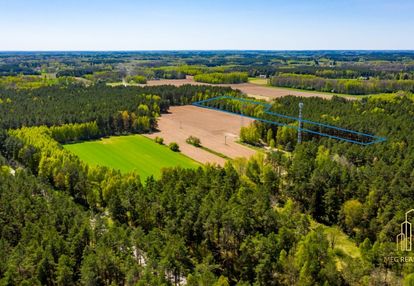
point(212, 127)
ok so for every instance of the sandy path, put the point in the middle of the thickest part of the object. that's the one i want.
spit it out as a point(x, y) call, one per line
point(210, 126)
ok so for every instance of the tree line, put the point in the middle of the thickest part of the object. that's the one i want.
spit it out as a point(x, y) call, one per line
point(216, 78)
point(344, 86)
point(74, 72)
point(351, 71)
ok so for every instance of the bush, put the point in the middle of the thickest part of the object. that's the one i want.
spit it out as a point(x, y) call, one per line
point(193, 141)
point(174, 147)
point(159, 140)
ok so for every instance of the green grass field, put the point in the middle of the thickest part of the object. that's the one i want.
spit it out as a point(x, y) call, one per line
point(259, 81)
point(130, 153)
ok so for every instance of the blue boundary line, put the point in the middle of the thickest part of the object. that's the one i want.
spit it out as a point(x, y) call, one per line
point(376, 139)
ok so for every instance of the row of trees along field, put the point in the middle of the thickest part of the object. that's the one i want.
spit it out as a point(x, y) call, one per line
point(34, 81)
point(216, 78)
point(345, 86)
point(74, 72)
point(352, 71)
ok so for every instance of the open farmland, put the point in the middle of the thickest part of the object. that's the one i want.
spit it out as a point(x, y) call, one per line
point(129, 153)
point(212, 127)
point(257, 90)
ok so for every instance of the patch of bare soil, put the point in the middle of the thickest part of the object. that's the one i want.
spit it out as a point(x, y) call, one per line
point(217, 131)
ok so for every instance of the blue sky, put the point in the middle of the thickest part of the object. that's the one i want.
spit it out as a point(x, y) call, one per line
point(202, 25)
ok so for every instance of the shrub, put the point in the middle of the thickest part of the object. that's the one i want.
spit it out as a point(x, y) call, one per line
point(174, 147)
point(193, 141)
point(159, 140)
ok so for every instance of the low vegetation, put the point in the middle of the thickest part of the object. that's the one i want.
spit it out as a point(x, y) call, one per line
point(174, 147)
point(192, 140)
point(159, 140)
point(34, 81)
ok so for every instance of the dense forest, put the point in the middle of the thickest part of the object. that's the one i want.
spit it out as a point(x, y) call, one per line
point(322, 212)
point(56, 105)
point(149, 239)
point(336, 183)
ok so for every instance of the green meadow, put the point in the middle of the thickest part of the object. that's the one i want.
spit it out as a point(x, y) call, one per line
point(130, 153)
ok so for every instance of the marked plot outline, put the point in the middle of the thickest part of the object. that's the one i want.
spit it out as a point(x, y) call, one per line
point(367, 139)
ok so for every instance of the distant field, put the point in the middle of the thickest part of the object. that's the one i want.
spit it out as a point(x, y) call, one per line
point(128, 153)
point(300, 92)
point(259, 81)
point(257, 88)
